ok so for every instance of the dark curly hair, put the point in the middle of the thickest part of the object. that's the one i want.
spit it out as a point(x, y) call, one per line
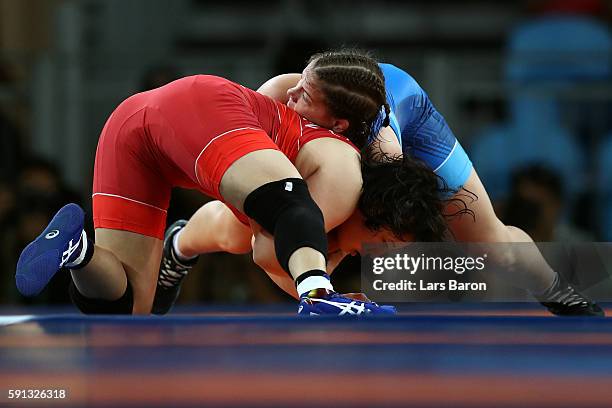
point(354, 88)
point(403, 195)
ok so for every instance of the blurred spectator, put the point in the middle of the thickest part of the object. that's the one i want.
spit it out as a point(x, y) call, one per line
point(587, 33)
point(11, 149)
point(536, 205)
point(561, 45)
point(7, 202)
point(40, 185)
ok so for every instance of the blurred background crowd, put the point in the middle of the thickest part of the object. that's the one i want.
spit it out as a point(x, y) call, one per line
point(525, 85)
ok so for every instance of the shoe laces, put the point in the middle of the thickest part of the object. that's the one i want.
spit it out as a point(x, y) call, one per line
point(568, 297)
point(172, 272)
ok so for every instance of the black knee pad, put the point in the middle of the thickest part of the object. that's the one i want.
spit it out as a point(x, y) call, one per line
point(285, 209)
point(86, 305)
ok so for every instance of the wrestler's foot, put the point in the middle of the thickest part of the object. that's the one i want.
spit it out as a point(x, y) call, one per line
point(171, 272)
point(325, 302)
point(563, 300)
point(62, 244)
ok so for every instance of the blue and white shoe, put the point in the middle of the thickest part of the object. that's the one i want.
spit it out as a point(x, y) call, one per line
point(61, 243)
point(325, 302)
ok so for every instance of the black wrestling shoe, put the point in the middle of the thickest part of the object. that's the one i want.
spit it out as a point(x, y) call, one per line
point(563, 300)
point(171, 273)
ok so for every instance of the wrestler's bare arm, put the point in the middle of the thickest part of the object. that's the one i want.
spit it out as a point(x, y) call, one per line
point(387, 142)
point(332, 170)
point(276, 87)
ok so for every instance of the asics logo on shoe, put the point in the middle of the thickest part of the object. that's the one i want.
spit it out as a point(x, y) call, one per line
point(353, 308)
point(52, 234)
point(68, 253)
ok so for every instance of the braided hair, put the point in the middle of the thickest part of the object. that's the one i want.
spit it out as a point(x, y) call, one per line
point(354, 88)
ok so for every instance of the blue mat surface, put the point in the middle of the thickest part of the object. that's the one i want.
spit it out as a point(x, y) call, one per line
point(473, 355)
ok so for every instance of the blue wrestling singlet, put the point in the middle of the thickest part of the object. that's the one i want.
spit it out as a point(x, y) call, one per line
point(422, 131)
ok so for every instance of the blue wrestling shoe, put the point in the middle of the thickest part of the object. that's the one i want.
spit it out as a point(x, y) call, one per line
point(325, 302)
point(60, 244)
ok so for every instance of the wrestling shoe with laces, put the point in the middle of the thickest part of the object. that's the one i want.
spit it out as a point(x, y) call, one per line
point(172, 271)
point(326, 302)
point(563, 300)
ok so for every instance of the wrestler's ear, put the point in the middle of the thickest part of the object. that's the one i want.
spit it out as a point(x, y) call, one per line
point(340, 125)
